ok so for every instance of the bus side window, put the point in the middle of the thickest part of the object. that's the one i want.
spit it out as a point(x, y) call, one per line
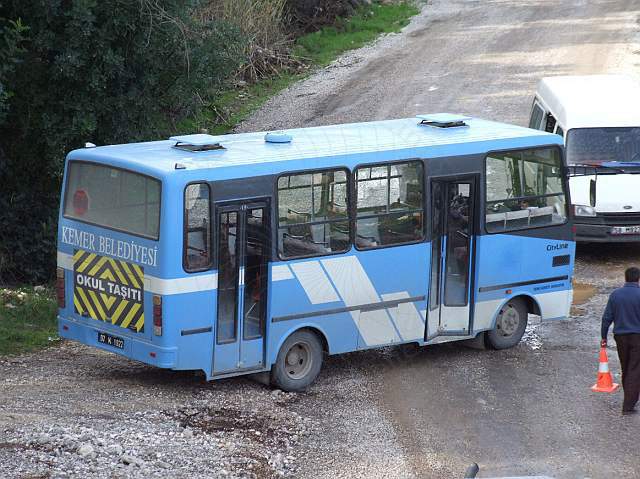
point(524, 189)
point(197, 227)
point(389, 204)
point(536, 116)
point(313, 214)
point(559, 131)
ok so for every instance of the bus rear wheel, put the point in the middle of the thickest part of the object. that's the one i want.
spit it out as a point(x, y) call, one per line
point(510, 325)
point(298, 363)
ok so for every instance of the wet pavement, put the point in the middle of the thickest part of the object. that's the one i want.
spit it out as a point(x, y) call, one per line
point(527, 410)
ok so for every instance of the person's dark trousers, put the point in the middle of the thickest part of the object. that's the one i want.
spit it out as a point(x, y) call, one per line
point(629, 354)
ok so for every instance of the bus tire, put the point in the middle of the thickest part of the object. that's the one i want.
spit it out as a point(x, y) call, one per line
point(510, 325)
point(298, 363)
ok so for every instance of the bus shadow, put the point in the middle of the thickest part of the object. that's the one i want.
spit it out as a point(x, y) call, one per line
point(345, 366)
point(400, 356)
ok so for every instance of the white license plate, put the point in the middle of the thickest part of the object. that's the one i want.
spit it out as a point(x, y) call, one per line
point(114, 341)
point(625, 230)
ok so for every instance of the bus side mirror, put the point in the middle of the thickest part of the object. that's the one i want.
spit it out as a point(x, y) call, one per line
point(592, 193)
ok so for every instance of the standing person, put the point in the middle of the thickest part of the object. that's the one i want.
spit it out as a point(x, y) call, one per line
point(623, 310)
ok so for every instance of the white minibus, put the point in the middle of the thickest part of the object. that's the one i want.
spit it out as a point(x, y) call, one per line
point(599, 118)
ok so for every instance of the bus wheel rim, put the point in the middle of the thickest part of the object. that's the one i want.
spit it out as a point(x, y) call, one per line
point(298, 360)
point(509, 321)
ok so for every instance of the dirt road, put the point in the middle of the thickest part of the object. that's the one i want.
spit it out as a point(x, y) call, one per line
point(477, 57)
point(528, 410)
point(71, 411)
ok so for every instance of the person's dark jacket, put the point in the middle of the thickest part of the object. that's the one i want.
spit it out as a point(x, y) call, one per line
point(623, 310)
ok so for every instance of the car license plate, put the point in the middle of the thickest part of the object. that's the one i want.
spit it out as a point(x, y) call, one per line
point(625, 230)
point(109, 340)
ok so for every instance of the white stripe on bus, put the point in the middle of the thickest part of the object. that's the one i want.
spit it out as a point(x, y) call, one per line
point(281, 272)
point(355, 287)
point(315, 283)
point(190, 284)
point(408, 321)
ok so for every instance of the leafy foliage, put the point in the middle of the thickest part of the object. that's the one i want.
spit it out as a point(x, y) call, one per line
point(11, 38)
point(90, 70)
point(114, 71)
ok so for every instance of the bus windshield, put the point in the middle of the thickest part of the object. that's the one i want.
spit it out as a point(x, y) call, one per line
point(113, 198)
point(601, 145)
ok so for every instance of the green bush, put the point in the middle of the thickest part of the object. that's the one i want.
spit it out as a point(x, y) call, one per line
point(11, 37)
point(105, 71)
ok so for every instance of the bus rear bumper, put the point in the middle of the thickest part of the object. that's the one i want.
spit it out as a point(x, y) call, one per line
point(136, 349)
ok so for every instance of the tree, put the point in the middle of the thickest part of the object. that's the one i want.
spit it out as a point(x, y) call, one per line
point(88, 70)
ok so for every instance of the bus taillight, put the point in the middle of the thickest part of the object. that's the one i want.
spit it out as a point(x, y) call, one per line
point(60, 287)
point(157, 315)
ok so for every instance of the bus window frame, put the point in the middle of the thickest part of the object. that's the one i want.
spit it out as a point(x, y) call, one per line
point(565, 185)
point(276, 211)
point(119, 230)
point(212, 256)
point(354, 212)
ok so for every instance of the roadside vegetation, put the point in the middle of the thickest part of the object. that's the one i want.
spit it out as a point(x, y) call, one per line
point(323, 46)
point(164, 66)
point(27, 319)
point(289, 58)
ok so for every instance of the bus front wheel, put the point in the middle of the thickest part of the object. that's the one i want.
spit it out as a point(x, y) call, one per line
point(510, 325)
point(298, 363)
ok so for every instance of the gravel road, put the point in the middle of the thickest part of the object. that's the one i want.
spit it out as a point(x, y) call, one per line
point(477, 57)
point(71, 411)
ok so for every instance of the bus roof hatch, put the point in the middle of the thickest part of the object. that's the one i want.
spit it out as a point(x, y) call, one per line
point(443, 120)
point(198, 142)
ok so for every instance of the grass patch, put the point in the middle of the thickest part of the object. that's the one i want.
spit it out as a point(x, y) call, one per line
point(317, 49)
point(323, 46)
point(236, 104)
point(27, 319)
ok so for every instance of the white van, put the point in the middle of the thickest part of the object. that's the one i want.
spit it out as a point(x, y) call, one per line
point(599, 118)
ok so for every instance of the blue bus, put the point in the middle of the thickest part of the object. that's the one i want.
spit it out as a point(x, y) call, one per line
point(260, 253)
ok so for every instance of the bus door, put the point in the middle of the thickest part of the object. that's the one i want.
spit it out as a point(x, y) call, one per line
point(243, 255)
point(450, 297)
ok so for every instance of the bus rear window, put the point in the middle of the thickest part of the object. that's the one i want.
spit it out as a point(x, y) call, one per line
point(113, 198)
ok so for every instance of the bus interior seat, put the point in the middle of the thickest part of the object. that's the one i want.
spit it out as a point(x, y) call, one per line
point(414, 195)
point(294, 245)
point(517, 219)
point(317, 233)
point(399, 229)
point(496, 221)
point(367, 233)
point(339, 236)
point(541, 216)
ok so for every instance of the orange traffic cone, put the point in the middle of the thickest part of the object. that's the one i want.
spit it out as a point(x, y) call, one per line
point(605, 382)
